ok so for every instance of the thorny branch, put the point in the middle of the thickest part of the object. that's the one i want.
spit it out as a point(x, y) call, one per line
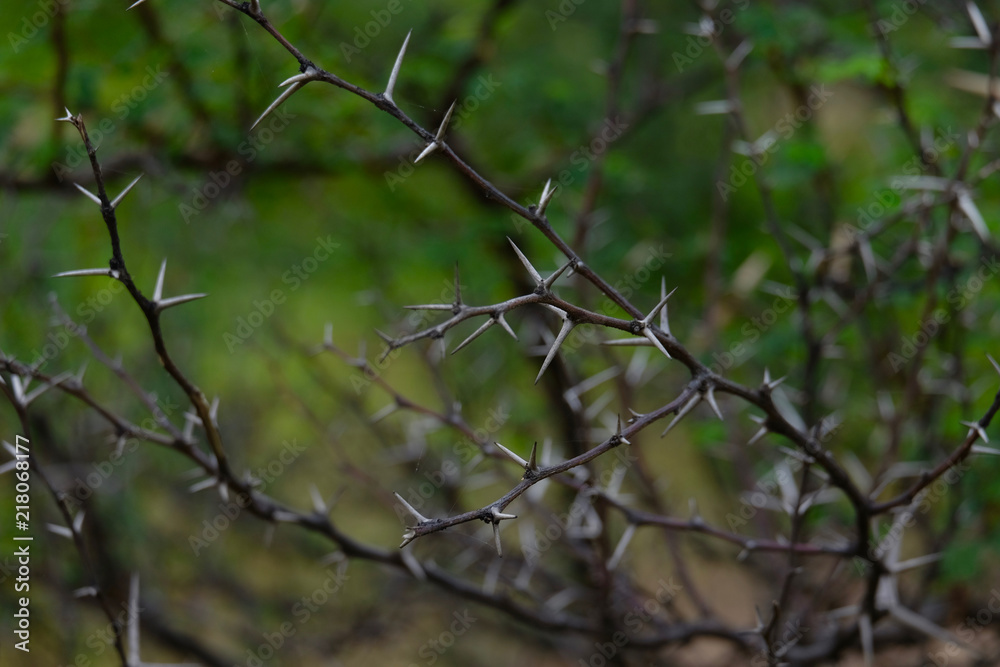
point(809, 437)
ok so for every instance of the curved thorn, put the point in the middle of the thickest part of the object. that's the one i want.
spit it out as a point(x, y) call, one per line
point(710, 397)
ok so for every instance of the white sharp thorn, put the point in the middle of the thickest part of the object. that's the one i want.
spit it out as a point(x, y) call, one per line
point(135, 4)
point(968, 207)
point(308, 75)
point(177, 300)
point(567, 326)
point(979, 23)
point(496, 538)
point(527, 265)
point(317, 500)
point(444, 123)
point(431, 147)
point(90, 195)
point(558, 272)
point(158, 290)
point(993, 361)
point(533, 458)
point(391, 86)
point(68, 118)
point(517, 459)
point(475, 334)
point(990, 451)
point(62, 531)
point(413, 565)
point(412, 510)
point(203, 484)
point(651, 337)
point(867, 641)
point(736, 58)
point(664, 319)
point(693, 401)
point(976, 427)
point(620, 549)
point(547, 193)
point(281, 98)
point(87, 272)
point(710, 397)
point(118, 199)
point(506, 327)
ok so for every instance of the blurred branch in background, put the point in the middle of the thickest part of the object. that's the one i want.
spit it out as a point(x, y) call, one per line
point(862, 381)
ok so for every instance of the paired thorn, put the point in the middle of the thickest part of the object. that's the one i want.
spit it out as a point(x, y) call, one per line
point(68, 118)
point(769, 385)
point(496, 518)
point(391, 86)
point(618, 433)
point(644, 324)
point(977, 428)
point(541, 284)
point(298, 83)
point(159, 303)
point(409, 535)
point(547, 193)
point(436, 143)
point(761, 432)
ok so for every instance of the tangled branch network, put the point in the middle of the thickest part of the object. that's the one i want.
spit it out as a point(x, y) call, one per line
point(805, 440)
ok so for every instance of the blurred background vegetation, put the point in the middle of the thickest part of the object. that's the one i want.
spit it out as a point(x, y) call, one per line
point(532, 84)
